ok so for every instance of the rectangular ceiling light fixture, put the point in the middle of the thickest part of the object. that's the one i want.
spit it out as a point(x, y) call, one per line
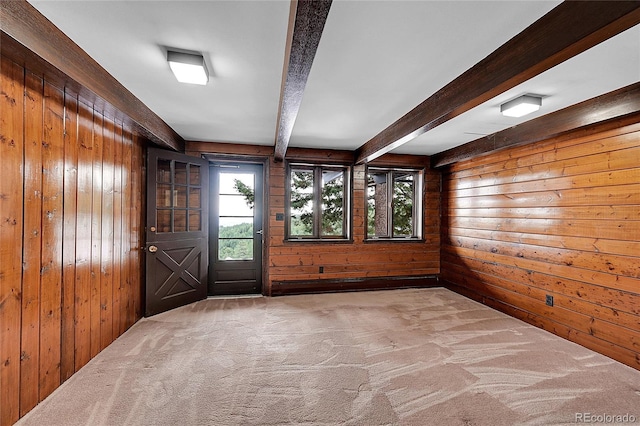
point(521, 106)
point(188, 67)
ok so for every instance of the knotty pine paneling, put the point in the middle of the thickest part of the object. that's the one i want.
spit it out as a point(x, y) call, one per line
point(559, 217)
point(297, 261)
point(71, 221)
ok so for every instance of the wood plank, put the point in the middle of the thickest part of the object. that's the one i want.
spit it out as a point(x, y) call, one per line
point(539, 47)
point(32, 250)
point(619, 103)
point(67, 365)
point(96, 233)
point(619, 282)
point(137, 227)
point(106, 257)
point(23, 23)
point(52, 233)
point(608, 263)
point(117, 286)
point(84, 233)
point(610, 160)
point(127, 200)
point(603, 196)
point(306, 22)
point(624, 230)
point(611, 299)
point(597, 245)
point(11, 229)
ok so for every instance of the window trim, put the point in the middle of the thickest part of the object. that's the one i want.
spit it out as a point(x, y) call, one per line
point(418, 204)
point(317, 169)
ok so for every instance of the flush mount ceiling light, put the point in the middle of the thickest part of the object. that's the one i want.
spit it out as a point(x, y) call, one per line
point(520, 106)
point(188, 67)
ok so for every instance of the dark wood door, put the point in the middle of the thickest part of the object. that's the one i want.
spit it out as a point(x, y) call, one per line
point(235, 237)
point(177, 227)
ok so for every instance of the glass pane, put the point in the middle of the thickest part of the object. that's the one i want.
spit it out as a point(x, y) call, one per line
point(403, 205)
point(164, 171)
point(235, 249)
point(163, 195)
point(377, 225)
point(332, 198)
point(235, 205)
point(194, 220)
point(194, 175)
point(301, 203)
point(180, 196)
point(235, 227)
point(237, 183)
point(181, 173)
point(194, 198)
point(163, 220)
point(179, 221)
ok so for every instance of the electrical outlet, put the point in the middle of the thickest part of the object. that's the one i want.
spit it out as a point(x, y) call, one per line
point(549, 300)
point(321, 270)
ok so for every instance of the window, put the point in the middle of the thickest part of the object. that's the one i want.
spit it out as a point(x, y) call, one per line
point(394, 203)
point(318, 202)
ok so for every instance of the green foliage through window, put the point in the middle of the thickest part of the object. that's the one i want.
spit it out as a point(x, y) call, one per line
point(393, 210)
point(317, 202)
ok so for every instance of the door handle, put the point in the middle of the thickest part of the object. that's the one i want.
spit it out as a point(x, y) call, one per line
point(153, 249)
point(260, 232)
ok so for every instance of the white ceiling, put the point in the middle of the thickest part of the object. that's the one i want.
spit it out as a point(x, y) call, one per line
point(375, 62)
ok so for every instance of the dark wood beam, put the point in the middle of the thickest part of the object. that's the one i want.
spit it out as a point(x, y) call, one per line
point(566, 31)
point(306, 22)
point(24, 28)
point(615, 105)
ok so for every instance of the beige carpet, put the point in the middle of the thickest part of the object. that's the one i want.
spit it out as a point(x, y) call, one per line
point(406, 357)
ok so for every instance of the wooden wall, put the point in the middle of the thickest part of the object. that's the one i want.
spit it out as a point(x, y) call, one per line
point(300, 261)
point(559, 217)
point(71, 191)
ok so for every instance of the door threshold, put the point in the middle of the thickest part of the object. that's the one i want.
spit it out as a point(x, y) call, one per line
point(235, 296)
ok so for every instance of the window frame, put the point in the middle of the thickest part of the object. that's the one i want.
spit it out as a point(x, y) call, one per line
point(317, 169)
point(417, 208)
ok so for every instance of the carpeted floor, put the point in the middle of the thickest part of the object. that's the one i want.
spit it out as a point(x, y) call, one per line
point(406, 357)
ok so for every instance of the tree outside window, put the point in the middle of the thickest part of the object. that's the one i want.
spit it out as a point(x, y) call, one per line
point(318, 204)
point(394, 203)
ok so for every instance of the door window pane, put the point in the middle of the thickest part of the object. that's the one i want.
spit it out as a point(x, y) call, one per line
point(164, 195)
point(194, 174)
point(194, 198)
point(163, 220)
point(237, 183)
point(195, 217)
point(232, 227)
point(179, 221)
point(237, 249)
point(180, 173)
point(235, 205)
point(164, 171)
point(180, 199)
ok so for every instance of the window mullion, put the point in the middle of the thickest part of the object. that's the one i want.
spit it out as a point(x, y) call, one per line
point(317, 200)
point(390, 202)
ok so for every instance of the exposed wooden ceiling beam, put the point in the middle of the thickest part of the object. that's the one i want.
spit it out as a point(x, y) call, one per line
point(566, 31)
point(22, 23)
point(619, 103)
point(306, 22)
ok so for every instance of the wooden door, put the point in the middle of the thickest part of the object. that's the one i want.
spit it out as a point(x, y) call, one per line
point(235, 238)
point(177, 226)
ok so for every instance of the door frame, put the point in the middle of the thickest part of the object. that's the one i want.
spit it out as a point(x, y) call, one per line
point(265, 162)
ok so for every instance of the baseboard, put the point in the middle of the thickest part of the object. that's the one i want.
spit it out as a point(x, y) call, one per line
point(281, 288)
